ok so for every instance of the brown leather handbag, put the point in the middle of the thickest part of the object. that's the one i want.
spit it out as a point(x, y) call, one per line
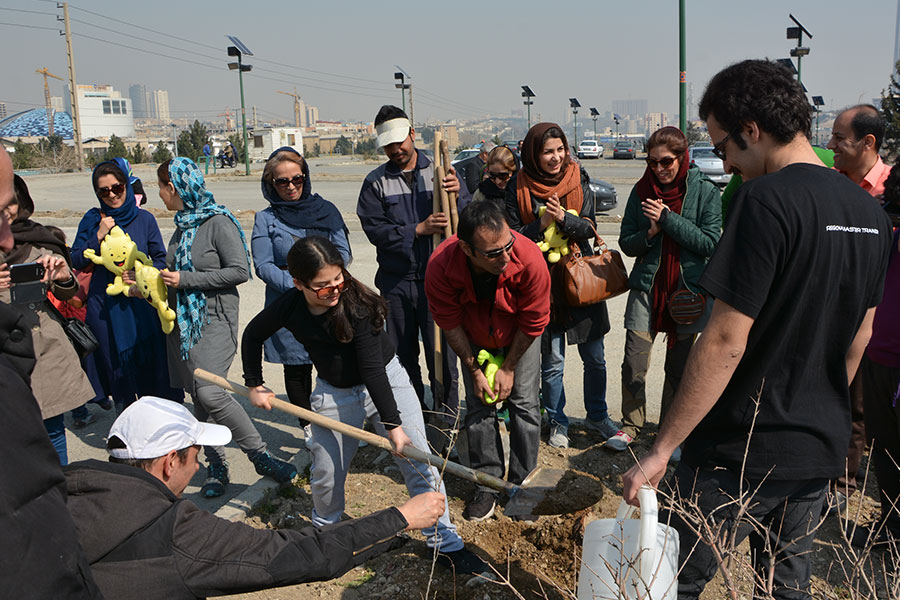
point(591, 279)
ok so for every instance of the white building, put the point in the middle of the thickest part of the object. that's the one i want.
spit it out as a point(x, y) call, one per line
point(312, 116)
point(159, 105)
point(264, 141)
point(655, 121)
point(103, 112)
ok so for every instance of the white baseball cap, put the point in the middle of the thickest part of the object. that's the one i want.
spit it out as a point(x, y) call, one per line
point(153, 427)
point(391, 132)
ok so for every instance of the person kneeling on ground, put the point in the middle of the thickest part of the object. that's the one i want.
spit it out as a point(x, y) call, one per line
point(143, 541)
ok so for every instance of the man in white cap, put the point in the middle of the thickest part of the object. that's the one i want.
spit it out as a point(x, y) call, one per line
point(396, 209)
point(143, 541)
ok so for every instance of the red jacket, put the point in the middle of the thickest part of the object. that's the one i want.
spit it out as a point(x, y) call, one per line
point(522, 301)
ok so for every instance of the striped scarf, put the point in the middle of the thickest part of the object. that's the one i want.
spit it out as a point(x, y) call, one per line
point(199, 205)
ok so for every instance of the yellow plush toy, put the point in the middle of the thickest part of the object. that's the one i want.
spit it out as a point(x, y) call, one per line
point(555, 245)
point(490, 369)
point(118, 254)
point(152, 287)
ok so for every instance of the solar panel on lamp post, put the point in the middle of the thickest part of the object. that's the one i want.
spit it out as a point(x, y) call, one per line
point(575, 104)
point(528, 95)
point(238, 50)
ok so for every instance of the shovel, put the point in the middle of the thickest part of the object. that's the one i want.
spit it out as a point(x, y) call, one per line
point(524, 499)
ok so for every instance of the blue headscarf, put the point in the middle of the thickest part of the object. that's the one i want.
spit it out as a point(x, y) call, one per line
point(311, 211)
point(199, 205)
point(124, 214)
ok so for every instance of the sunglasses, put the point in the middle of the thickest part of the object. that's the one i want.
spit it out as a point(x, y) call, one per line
point(719, 149)
point(297, 180)
point(116, 189)
point(497, 252)
point(324, 292)
point(497, 176)
point(666, 162)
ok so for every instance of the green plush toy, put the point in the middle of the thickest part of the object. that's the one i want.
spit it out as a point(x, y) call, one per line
point(152, 287)
point(490, 369)
point(118, 253)
point(555, 245)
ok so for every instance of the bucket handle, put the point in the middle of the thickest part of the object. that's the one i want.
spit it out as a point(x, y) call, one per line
point(649, 523)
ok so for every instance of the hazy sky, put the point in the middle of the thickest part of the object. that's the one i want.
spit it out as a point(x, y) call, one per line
point(466, 58)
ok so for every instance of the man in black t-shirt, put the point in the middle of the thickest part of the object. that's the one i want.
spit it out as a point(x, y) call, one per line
point(763, 405)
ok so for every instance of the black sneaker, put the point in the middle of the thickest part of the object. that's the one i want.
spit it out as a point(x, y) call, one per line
point(464, 562)
point(216, 480)
point(480, 507)
point(279, 470)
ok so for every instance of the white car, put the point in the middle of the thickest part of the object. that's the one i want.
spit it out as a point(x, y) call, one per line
point(709, 164)
point(590, 149)
point(464, 154)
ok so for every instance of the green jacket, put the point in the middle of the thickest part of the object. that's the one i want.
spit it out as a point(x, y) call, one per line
point(696, 229)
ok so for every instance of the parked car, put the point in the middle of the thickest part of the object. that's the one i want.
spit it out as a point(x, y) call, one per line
point(709, 164)
point(624, 149)
point(464, 154)
point(590, 149)
point(604, 195)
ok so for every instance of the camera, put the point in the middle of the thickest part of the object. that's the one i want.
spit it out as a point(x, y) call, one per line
point(26, 285)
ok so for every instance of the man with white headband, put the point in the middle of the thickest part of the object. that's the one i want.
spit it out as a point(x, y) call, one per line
point(143, 541)
point(395, 208)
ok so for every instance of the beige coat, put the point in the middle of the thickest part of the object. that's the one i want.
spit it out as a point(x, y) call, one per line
point(58, 382)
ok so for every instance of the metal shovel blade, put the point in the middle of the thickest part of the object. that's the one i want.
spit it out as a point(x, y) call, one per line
point(554, 492)
point(531, 493)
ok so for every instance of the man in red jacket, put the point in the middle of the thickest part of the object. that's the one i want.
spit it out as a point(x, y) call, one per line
point(489, 289)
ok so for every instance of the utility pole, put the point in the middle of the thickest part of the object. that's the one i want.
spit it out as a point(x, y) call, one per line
point(73, 90)
point(682, 68)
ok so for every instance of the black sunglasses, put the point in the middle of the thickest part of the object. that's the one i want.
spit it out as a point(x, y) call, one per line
point(498, 176)
point(116, 189)
point(719, 149)
point(666, 162)
point(497, 252)
point(297, 180)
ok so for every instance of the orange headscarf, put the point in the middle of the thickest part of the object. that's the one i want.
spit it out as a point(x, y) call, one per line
point(531, 179)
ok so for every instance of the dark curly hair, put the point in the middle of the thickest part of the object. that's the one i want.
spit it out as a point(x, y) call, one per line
point(761, 91)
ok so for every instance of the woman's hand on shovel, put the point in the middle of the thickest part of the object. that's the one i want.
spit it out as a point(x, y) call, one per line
point(260, 397)
point(399, 439)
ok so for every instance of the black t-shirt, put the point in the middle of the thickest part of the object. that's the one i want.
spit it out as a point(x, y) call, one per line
point(484, 284)
point(804, 253)
point(343, 365)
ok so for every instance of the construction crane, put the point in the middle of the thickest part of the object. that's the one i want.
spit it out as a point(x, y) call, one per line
point(227, 115)
point(47, 74)
point(296, 98)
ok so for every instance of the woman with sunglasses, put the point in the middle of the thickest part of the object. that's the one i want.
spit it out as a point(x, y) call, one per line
point(671, 225)
point(358, 375)
point(498, 170)
point(552, 180)
point(207, 260)
point(131, 359)
point(294, 212)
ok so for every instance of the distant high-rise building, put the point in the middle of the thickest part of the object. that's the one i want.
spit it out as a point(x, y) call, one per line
point(159, 105)
point(2, 110)
point(312, 116)
point(140, 100)
point(632, 108)
point(655, 121)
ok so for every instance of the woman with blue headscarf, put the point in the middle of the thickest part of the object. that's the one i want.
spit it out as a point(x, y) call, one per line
point(207, 260)
point(131, 360)
point(294, 212)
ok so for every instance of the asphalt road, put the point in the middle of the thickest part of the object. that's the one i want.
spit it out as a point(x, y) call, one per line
point(337, 179)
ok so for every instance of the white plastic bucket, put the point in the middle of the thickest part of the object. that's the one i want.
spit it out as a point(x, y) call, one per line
point(627, 559)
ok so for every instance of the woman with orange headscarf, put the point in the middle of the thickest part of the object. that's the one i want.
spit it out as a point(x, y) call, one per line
point(552, 180)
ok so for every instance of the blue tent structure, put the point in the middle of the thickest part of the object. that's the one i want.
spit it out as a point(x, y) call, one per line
point(34, 123)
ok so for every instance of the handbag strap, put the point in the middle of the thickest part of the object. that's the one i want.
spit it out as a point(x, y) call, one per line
point(598, 241)
point(684, 281)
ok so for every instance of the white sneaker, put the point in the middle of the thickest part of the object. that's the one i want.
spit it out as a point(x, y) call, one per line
point(559, 436)
point(619, 442)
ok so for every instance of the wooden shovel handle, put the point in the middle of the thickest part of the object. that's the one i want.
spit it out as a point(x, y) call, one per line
point(365, 436)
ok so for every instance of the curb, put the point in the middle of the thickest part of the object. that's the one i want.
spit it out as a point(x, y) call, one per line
point(239, 507)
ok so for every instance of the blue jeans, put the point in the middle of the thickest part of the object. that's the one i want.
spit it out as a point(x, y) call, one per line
point(553, 392)
point(56, 429)
point(333, 452)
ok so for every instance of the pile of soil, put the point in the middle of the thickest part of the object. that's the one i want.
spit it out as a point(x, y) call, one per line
point(538, 560)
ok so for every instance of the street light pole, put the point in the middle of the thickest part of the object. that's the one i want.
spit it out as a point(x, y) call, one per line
point(616, 119)
point(238, 50)
point(528, 95)
point(594, 114)
point(175, 137)
point(817, 102)
point(573, 102)
point(682, 67)
point(402, 86)
point(796, 33)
